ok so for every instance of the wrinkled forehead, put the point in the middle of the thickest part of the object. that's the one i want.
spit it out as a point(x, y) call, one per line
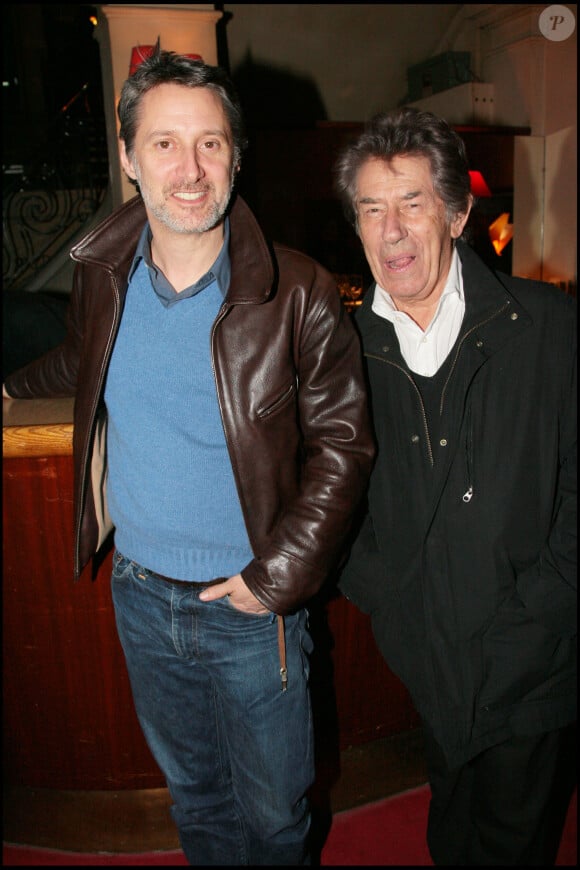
point(397, 173)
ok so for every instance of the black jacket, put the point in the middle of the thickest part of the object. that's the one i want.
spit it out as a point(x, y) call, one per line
point(466, 559)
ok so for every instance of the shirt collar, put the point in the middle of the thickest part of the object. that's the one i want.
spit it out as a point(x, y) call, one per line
point(220, 271)
point(383, 304)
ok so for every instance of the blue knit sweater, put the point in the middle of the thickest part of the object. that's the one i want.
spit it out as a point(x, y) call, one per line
point(171, 491)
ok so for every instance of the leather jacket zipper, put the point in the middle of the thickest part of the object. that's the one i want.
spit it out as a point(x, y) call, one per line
point(468, 494)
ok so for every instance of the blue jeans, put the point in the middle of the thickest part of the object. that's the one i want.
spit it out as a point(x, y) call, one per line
point(236, 751)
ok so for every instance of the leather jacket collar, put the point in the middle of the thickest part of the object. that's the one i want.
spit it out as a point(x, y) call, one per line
point(111, 246)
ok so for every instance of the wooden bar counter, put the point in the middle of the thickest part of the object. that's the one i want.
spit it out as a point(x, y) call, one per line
point(69, 721)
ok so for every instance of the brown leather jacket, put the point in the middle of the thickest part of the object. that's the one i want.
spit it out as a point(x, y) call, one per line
point(290, 387)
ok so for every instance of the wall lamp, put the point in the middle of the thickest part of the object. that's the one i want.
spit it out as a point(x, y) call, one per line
point(479, 185)
point(501, 232)
point(139, 53)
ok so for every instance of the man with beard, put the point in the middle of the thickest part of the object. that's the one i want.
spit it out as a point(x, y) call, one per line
point(225, 382)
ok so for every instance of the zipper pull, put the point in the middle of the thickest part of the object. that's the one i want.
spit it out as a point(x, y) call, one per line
point(282, 653)
point(467, 496)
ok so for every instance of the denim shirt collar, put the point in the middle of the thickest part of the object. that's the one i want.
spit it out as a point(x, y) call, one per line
point(220, 271)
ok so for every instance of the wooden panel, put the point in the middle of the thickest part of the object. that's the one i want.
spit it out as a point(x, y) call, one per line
point(69, 720)
point(288, 180)
point(371, 700)
point(37, 427)
point(55, 440)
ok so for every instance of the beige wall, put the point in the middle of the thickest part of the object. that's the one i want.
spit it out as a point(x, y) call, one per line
point(357, 55)
point(536, 86)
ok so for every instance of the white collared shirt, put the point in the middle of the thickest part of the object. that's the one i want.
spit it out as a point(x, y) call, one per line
point(425, 351)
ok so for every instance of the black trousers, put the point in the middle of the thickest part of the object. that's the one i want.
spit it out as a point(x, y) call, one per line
point(506, 806)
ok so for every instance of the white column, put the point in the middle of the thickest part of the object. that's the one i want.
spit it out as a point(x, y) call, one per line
point(183, 28)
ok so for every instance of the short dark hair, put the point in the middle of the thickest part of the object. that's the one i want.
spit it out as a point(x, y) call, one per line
point(408, 132)
point(168, 67)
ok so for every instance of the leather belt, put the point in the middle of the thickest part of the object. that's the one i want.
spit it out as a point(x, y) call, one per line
point(190, 584)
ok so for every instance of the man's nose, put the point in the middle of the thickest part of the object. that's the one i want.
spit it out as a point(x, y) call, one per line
point(191, 164)
point(393, 227)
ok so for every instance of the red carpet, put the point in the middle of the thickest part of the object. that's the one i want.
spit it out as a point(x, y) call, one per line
point(390, 832)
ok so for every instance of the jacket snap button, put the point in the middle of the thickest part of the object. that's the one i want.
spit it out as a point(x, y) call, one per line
point(414, 439)
point(479, 343)
point(514, 315)
point(386, 348)
point(443, 442)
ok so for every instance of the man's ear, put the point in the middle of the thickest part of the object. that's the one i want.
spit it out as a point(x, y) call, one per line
point(459, 221)
point(125, 161)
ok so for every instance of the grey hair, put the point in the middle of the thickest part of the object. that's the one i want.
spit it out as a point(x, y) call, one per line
point(408, 132)
point(168, 67)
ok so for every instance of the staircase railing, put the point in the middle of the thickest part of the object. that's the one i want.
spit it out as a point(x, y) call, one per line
point(46, 202)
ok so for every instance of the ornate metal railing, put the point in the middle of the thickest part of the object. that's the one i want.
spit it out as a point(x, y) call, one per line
point(46, 202)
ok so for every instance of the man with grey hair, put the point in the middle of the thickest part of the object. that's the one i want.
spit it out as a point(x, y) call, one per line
point(466, 558)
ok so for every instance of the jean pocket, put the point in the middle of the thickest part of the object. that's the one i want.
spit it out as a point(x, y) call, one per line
point(246, 614)
point(121, 565)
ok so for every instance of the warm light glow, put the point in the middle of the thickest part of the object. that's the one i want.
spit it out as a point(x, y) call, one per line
point(350, 288)
point(500, 232)
point(93, 20)
point(479, 185)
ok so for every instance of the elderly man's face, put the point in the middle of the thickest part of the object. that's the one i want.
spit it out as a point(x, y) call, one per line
point(404, 229)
